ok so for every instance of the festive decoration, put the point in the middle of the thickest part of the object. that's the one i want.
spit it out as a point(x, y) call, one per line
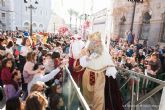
point(62, 30)
point(86, 24)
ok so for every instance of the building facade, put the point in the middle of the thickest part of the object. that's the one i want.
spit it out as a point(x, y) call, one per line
point(149, 22)
point(41, 14)
point(6, 13)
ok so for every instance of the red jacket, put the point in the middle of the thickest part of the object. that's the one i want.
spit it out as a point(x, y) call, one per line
point(6, 75)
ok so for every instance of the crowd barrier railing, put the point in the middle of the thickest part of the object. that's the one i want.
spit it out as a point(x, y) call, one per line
point(140, 81)
point(75, 99)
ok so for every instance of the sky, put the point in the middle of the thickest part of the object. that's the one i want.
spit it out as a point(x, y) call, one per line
point(81, 6)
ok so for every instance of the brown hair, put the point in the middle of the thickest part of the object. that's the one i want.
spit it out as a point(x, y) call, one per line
point(31, 56)
point(36, 101)
point(54, 88)
point(24, 41)
point(36, 86)
point(155, 54)
point(10, 44)
point(54, 101)
point(13, 104)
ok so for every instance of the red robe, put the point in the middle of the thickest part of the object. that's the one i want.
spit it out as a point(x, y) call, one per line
point(77, 76)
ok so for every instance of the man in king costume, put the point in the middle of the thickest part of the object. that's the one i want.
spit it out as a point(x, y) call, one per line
point(99, 85)
point(74, 51)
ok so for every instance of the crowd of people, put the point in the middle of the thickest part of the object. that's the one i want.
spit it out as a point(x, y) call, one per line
point(31, 71)
point(133, 54)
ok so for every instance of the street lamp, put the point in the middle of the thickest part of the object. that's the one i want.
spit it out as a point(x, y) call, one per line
point(133, 14)
point(31, 7)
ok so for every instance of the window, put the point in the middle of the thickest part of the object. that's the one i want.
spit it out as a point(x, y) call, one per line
point(40, 26)
point(34, 25)
point(3, 15)
point(163, 28)
point(26, 24)
point(145, 29)
point(3, 3)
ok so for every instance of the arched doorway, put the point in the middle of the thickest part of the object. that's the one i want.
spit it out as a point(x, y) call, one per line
point(26, 26)
point(122, 27)
point(145, 28)
point(41, 27)
point(34, 27)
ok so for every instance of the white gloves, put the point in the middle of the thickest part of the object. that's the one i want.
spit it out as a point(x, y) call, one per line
point(111, 71)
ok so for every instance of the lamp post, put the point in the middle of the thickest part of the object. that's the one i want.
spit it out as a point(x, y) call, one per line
point(31, 7)
point(133, 14)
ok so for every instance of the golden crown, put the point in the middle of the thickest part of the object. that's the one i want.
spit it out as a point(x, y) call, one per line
point(95, 36)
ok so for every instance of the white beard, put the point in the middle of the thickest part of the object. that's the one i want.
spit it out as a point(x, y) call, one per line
point(97, 62)
point(100, 63)
point(95, 50)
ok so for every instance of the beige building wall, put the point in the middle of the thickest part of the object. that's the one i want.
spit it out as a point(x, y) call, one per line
point(153, 31)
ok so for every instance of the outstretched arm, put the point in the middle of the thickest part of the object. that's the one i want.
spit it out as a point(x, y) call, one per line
point(49, 76)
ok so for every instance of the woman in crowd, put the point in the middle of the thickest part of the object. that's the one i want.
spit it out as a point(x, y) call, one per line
point(26, 47)
point(39, 75)
point(2, 44)
point(6, 76)
point(28, 71)
point(36, 101)
point(56, 102)
point(14, 104)
point(38, 86)
point(9, 47)
point(48, 63)
point(154, 65)
point(56, 89)
point(14, 89)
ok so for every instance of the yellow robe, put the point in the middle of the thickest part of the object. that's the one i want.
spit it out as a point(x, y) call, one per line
point(101, 66)
point(94, 94)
